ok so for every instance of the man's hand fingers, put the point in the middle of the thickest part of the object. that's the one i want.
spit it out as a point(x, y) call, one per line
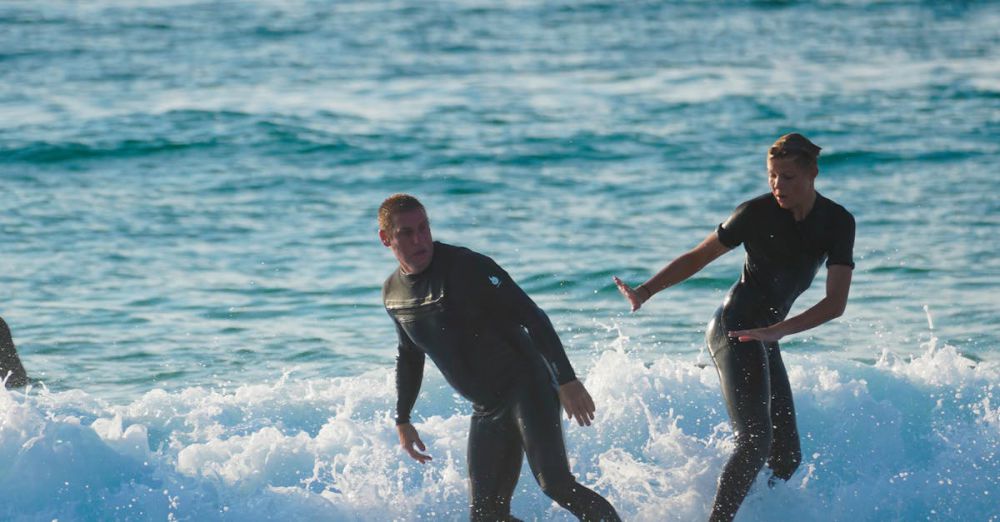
point(585, 406)
point(580, 413)
point(420, 444)
point(421, 458)
point(572, 412)
point(412, 452)
point(416, 455)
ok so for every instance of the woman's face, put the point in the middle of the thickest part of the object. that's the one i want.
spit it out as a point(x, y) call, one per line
point(791, 184)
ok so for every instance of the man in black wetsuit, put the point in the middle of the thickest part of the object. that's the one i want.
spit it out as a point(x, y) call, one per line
point(787, 233)
point(10, 363)
point(497, 349)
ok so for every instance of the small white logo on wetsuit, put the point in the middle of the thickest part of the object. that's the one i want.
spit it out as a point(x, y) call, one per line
point(495, 281)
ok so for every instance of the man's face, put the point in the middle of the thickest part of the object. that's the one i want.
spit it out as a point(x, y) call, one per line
point(410, 240)
point(791, 184)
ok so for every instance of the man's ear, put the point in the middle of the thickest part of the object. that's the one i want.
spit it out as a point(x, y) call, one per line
point(382, 235)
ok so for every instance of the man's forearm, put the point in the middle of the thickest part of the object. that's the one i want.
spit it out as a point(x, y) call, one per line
point(409, 375)
point(546, 341)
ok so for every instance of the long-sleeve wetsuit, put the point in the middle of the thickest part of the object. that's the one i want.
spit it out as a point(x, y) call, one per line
point(782, 258)
point(471, 319)
point(9, 361)
point(500, 351)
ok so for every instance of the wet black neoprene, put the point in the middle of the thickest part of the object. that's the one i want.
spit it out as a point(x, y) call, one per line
point(783, 256)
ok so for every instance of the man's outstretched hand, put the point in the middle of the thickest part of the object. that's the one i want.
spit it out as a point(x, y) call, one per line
point(408, 438)
point(577, 402)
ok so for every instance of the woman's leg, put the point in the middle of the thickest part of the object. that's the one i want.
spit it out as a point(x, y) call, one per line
point(746, 388)
point(786, 453)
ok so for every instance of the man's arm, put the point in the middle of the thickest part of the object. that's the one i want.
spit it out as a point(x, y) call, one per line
point(409, 376)
point(838, 286)
point(512, 302)
point(10, 363)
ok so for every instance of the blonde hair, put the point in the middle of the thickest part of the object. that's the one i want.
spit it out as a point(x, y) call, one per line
point(393, 205)
point(798, 148)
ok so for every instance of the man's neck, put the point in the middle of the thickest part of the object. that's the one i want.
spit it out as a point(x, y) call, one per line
point(410, 271)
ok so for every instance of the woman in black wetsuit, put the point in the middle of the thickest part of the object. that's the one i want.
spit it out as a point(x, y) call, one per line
point(787, 234)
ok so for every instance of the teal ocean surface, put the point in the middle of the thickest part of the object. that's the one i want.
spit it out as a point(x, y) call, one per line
point(191, 269)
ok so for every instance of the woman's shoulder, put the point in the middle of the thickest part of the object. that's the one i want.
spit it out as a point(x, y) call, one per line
point(760, 203)
point(835, 210)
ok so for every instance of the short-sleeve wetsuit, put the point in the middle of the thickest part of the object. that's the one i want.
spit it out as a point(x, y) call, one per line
point(782, 258)
point(499, 351)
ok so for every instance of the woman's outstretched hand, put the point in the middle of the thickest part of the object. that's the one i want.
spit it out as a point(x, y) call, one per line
point(633, 296)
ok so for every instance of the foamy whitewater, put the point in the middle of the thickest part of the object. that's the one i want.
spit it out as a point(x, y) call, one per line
point(190, 269)
point(904, 439)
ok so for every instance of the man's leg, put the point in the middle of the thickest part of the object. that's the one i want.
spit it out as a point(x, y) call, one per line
point(9, 361)
point(536, 411)
point(786, 453)
point(743, 373)
point(495, 457)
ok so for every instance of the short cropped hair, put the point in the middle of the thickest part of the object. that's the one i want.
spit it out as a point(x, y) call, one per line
point(393, 205)
point(798, 148)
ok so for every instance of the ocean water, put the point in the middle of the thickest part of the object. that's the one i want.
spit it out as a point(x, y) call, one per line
point(192, 273)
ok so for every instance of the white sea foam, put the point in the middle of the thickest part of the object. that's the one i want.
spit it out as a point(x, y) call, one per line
point(903, 439)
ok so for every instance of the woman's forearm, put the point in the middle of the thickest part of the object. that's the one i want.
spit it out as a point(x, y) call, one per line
point(838, 286)
point(825, 310)
point(686, 265)
point(675, 272)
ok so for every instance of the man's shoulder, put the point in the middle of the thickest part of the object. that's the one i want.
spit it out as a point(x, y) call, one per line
point(461, 255)
point(389, 281)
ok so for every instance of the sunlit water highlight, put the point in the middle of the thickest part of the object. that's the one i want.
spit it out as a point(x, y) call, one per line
point(190, 266)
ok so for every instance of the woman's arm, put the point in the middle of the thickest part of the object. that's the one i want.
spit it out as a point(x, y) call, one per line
point(838, 286)
point(675, 272)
